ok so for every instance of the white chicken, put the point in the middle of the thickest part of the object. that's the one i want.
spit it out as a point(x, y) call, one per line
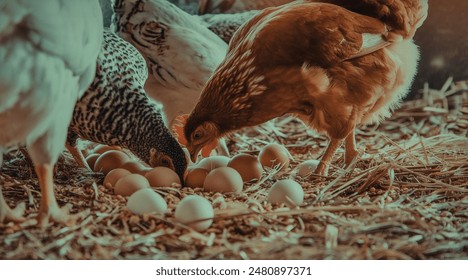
point(48, 52)
point(181, 52)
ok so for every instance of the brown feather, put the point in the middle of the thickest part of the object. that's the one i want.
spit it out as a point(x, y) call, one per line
point(314, 60)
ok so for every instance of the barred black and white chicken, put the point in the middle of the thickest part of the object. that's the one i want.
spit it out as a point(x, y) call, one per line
point(115, 110)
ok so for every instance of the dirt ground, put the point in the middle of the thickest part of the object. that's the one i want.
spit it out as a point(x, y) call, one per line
point(405, 198)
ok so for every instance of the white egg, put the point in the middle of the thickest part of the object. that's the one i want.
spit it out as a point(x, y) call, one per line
point(286, 191)
point(146, 201)
point(192, 209)
point(307, 168)
point(213, 162)
point(223, 180)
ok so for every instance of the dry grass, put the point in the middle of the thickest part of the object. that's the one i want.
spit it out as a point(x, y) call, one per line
point(405, 198)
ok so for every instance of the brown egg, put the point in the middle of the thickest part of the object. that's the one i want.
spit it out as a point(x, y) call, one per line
point(196, 177)
point(129, 184)
point(134, 167)
point(273, 155)
point(213, 162)
point(248, 167)
point(110, 160)
point(195, 208)
point(304, 169)
point(286, 191)
point(100, 149)
point(223, 180)
point(113, 176)
point(91, 160)
point(146, 201)
point(162, 177)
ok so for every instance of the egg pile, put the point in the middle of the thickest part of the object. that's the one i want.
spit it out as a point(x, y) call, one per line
point(133, 179)
point(225, 175)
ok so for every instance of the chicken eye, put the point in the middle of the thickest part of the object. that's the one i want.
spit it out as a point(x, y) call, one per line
point(197, 135)
point(165, 162)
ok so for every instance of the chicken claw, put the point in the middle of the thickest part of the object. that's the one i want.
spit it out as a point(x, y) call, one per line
point(350, 149)
point(49, 210)
point(6, 214)
point(322, 168)
point(9, 215)
point(53, 213)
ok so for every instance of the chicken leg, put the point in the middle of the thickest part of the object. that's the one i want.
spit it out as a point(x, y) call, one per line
point(6, 213)
point(49, 209)
point(26, 156)
point(350, 148)
point(322, 168)
point(9, 215)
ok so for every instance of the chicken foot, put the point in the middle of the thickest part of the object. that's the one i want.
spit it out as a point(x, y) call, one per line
point(322, 168)
point(350, 148)
point(26, 156)
point(6, 213)
point(49, 209)
point(9, 215)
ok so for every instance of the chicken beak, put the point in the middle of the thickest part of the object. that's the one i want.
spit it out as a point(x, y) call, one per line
point(194, 151)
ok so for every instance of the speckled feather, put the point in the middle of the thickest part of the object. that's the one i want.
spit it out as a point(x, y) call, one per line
point(225, 25)
point(115, 110)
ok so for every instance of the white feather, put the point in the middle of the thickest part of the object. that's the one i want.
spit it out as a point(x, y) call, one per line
point(187, 58)
point(48, 57)
point(371, 43)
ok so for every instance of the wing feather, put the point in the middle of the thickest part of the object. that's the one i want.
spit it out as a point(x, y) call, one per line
point(317, 34)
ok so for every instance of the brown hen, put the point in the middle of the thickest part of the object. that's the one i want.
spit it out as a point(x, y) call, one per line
point(334, 66)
